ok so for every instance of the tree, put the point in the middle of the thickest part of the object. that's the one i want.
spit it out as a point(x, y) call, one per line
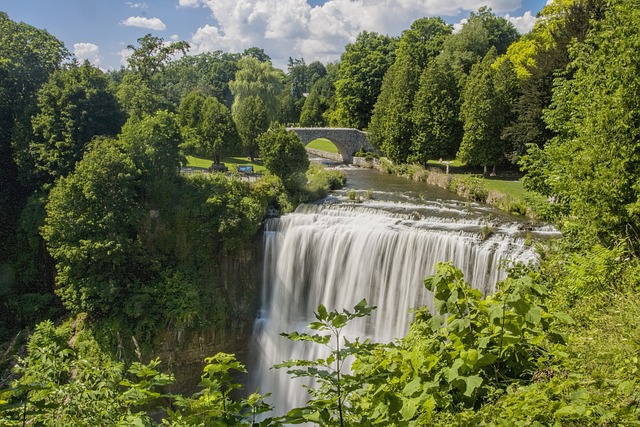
point(251, 121)
point(284, 155)
point(154, 143)
point(362, 68)
point(153, 54)
point(593, 163)
point(208, 127)
point(91, 231)
point(256, 53)
point(437, 126)
point(318, 104)
point(255, 78)
point(208, 73)
point(311, 114)
point(485, 112)
point(391, 126)
point(482, 31)
point(74, 106)
point(541, 56)
point(28, 56)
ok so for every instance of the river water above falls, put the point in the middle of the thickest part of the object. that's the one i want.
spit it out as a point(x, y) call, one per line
point(376, 239)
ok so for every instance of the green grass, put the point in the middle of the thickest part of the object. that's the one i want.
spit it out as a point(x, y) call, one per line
point(323, 144)
point(508, 187)
point(231, 162)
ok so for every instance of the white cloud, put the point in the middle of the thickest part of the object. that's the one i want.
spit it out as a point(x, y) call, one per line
point(139, 21)
point(174, 37)
point(88, 51)
point(137, 5)
point(285, 28)
point(124, 55)
point(523, 23)
point(189, 3)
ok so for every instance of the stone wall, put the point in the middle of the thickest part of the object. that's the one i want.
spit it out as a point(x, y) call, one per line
point(238, 280)
point(347, 140)
point(333, 156)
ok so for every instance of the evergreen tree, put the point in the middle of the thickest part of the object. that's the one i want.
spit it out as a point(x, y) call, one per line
point(362, 68)
point(391, 126)
point(437, 126)
point(483, 111)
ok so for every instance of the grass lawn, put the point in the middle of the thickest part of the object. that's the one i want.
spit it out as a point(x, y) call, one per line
point(323, 144)
point(510, 187)
point(231, 162)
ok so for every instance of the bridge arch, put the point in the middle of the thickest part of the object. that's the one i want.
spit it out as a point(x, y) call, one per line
point(346, 140)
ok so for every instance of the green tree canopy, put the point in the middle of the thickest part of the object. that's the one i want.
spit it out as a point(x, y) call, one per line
point(251, 121)
point(362, 68)
point(152, 55)
point(74, 106)
point(255, 78)
point(91, 228)
point(485, 111)
point(437, 126)
point(592, 165)
point(154, 142)
point(391, 126)
point(208, 127)
point(284, 155)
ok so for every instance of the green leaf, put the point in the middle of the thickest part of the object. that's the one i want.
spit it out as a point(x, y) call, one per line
point(472, 382)
point(564, 318)
point(409, 408)
point(534, 315)
point(322, 313)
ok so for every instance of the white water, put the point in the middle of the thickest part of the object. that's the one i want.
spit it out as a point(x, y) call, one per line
point(335, 254)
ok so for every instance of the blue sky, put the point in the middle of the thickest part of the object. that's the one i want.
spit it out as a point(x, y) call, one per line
point(314, 29)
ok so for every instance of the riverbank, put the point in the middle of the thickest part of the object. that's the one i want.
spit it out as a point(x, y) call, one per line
point(505, 194)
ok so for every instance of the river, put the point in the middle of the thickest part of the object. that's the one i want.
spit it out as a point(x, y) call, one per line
point(378, 239)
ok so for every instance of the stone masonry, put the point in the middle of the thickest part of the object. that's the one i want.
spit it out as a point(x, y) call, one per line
point(347, 140)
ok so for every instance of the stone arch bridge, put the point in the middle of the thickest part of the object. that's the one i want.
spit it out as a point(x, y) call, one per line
point(347, 140)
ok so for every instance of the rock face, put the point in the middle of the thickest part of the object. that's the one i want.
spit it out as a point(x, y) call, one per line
point(347, 140)
point(237, 281)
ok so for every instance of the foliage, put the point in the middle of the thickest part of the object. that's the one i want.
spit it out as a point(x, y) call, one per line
point(65, 379)
point(321, 97)
point(320, 181)
point(208, 73)
point(74, 106)
point(468, 352)
point(484, 111)
point(391, 126)
point(592, 164)
point(94, 243)
point(255, 78)
point(284, 155)
point(208, 127)
point(251, 121)
point(327, 403)
point(435, 115)
point(154, 142)
point(362, 68)
point(214, 405)
point(152, 55)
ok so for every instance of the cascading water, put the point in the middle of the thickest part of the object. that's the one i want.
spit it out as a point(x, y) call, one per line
point(338, 252)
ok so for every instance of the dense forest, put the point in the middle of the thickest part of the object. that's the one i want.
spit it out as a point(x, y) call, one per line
point(104, 243)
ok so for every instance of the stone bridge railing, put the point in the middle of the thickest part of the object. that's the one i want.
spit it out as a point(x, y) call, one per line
point(347, 140)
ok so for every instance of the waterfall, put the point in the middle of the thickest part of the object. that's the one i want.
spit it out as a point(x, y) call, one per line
point(336, 254)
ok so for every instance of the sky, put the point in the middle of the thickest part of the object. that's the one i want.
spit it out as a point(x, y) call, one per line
point(316, 30)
